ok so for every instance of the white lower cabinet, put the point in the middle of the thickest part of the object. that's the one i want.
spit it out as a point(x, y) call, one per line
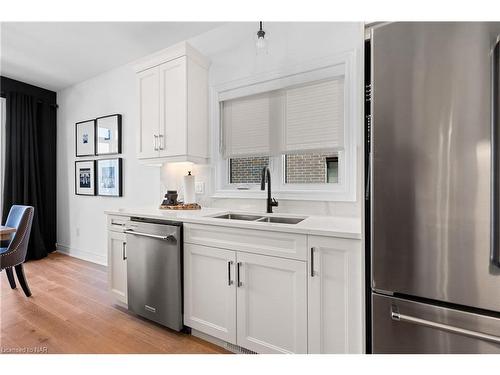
point(255, 301)
point(335, 296)
point(272, 304)
point(287, 294)
point(209, 291)
point(117, 265)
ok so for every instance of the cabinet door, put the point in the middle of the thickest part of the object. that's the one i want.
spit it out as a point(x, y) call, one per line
point(335, 296)
point(117, 265)
point(149, 113)
point(173, 108)
point(209, 291)
point(271, 304)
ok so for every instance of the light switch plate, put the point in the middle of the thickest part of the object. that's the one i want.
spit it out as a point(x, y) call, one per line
point(199, 187)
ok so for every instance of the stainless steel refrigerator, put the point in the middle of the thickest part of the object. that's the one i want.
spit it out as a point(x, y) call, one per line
point(435, 194)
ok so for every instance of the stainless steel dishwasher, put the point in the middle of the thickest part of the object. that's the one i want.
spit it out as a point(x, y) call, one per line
point(154, 270)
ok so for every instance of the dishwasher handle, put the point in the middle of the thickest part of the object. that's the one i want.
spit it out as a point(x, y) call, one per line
point(158, 237)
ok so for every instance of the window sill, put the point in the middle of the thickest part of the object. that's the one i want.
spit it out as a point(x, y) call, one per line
point(312, 195)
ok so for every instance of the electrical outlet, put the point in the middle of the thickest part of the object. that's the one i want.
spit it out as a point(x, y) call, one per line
point(200, 187)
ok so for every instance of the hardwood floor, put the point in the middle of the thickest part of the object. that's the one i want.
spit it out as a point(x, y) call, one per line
point(70, 312)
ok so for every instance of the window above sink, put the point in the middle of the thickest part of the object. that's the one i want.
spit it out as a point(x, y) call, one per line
point(299, 123)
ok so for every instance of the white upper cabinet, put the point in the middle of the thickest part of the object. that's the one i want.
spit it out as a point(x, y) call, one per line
point(149, 112)
point(172, 137)
point(173, 105)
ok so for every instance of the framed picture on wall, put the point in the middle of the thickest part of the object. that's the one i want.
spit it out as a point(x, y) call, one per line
point(85, 177)
point(85, 138)
point(108, 135)
point(109, 177)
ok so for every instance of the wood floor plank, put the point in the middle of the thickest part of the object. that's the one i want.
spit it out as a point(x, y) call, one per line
point(71, 312)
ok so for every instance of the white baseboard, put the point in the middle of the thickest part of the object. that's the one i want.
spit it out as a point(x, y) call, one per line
point(82, 254)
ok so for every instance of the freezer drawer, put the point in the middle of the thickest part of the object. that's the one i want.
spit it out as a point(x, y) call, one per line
point(402, 326)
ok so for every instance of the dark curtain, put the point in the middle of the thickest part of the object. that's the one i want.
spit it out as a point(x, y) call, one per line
point(26, 120)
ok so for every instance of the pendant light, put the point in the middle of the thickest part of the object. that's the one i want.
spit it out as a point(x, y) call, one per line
point(261, 42)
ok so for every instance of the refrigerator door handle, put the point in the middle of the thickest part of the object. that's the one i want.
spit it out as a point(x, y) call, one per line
point(395, 315)
point(495, 159)
point(368, 177)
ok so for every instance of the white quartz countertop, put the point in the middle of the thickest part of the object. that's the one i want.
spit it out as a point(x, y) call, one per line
point(331, 226)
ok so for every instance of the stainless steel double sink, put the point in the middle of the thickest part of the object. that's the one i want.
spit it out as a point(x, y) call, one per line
point(261, 219)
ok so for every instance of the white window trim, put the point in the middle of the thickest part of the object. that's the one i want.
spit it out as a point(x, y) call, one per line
point(329, 67)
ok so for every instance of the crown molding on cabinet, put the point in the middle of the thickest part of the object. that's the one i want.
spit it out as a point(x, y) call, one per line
point(171, 53)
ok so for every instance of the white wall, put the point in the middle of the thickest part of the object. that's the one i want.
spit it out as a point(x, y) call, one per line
point(81, 224)
point(231, 48)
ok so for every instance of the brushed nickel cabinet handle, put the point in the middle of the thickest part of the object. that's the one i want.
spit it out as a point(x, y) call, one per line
point(124, 251)
point(113, 222)
point(229, 281)
point(155, 143)
point(312, 261)
point(161, 142)
point(238, 281)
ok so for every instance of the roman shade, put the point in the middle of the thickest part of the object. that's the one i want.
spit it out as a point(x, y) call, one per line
point(299, 119)
point(246, 126)
point(314, 117)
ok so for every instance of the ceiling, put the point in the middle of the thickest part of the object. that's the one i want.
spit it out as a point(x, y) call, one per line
point(55, 55)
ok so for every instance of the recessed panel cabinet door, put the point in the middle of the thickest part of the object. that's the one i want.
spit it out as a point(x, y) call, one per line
point(149, 113)
point(272, 304)
point(209, 291)
point(335, 296)
point(173, 108)
point(117, 265)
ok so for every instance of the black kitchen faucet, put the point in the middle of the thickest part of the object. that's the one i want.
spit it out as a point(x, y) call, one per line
point(271, 202)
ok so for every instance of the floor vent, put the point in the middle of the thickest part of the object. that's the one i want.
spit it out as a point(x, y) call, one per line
point(238, 349)
point(231, 347)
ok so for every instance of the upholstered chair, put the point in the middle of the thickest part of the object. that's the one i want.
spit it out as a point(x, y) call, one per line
point(13, 255)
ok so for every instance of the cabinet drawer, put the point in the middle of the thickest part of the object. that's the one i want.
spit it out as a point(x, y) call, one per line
point(286, 245)
point(117, 223)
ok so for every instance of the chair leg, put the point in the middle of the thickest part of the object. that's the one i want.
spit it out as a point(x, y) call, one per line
point(10, 277)
point(22, 280)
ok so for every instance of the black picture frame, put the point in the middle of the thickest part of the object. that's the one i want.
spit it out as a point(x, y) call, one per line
point(118, 137)
point(92, 141)
point(92, 192)
point(119, 190)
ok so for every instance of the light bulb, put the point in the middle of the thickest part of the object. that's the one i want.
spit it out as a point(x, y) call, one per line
point(261, 43)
